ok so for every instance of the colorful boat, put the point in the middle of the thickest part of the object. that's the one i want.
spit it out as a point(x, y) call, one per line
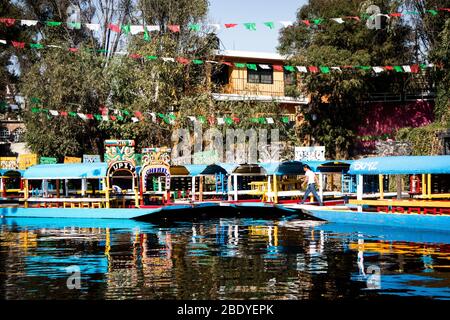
point(427, 205)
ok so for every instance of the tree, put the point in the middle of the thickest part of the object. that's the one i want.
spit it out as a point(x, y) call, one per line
point(335, 96)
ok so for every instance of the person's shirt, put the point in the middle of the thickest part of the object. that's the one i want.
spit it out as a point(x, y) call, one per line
point(311, 176)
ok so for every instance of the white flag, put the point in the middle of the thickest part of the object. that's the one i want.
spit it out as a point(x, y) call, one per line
point(168, 59)
point(338, 69)
point(93, 26)
point(153, 28)
point(302, 69)
point(220, 121)
point(134, 119)
point(82, 116)
point(269, 120)
point(136, 29)
point(264, 66)
point(286, 23)
point(191, 118)
point(3, 41)
point(407, 68)
point(53, 112)
point(28, 22)
point(105, 118)
point(378, 69)
point(54, 46)
point(153, 116)
point(338, 20)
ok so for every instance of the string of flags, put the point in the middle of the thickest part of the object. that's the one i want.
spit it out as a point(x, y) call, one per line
point(410, 68)
point(251, 26)
point(137, 116)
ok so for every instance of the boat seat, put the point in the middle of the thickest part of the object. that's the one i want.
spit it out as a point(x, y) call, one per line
point(42, 205)
point(53, 205)
point(429, 210)
point(75, 205)
point(67, 205)
point(85, 205)
point(417, 210)
point(96, 205)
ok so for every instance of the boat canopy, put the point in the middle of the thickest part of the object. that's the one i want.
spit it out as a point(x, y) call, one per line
point(11, 172)
point(402, 165)
point(194, 170)
point(291, 168)
point(330, 166)
point(66, 171)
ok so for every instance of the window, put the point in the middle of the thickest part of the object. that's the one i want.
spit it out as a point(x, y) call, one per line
point(17, 135)
point(220, 75)
point(260, 75)
point(289, 78)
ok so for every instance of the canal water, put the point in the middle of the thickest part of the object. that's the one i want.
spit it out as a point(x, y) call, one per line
point(219, 259)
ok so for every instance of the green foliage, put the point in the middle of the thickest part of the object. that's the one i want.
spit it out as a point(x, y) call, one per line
point(424, 140)
point(335, 96)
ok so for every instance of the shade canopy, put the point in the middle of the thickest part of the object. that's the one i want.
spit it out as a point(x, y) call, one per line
point(402, 165)
point(291, 168)
point(329, 166)
point(11, 172)
point(66, 171)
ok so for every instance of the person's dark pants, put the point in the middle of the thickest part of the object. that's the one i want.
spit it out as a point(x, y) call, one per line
point(311, 188)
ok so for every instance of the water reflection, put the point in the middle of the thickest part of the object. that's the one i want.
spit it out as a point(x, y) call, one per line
point(219, 259)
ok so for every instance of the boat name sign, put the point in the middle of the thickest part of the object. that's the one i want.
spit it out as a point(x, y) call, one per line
point(122, 165)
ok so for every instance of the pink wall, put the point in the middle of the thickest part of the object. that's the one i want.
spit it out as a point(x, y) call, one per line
point(387, 117)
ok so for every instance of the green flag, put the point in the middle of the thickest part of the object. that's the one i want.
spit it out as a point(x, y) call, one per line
point(74, 25)
point(398, 68)
point(72, 114)
point(228, 120)
point(364, 67)
point(239, 65)
point(262, 120)
point(290, 68)
point(202, 119)
point(98, 117)
point(119, 118)
point(197, 61)
point(324, 69)
point(151, 57)
point(269, 24)
point(126, 112)
point(35, 100)
point(317, 21)
point(285, 119)
point(433, 12)
point(252, 66)
point(36, 46)
point(194, 27)
point(250, 26)
point(35, 110)
point(126, 28)
point(53, 23)
point(146, 35)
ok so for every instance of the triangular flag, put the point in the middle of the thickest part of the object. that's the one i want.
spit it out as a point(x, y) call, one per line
point(9, 22)
point(415, 68)
point(105, 118)
point(395, 14)
point(53, 46)
point(317, 21)
point(250, 26)
point(126, 28)
point(228, 120)
point(307, 22)
point(378, 69)
point(183, 60)
point(407, 68)
point(286, 23)
point(324, 69)
point(165, 59)
point(153, 28)
point(220, 121)
point(53, 23)
point(53, 112)
point(28, 23)
point(302, 69)
point(252, 66)
point(194, 27)
point(36, 46)
point(146, 35)
point(98, 117)
point(338, 20)
point(264, 66)
point(114, 27)
point(82, 116)
point(313, 69)
point(135, 56)
point(289, 68)
point(134, 119)
point(93, 26)
point(74, 25)
point(174, 28)
point(196, 61)
point(398, 68)
point(3, 41)
point(151, 57)
point(269, 24)
point(135, 29)
point(239, 65)
point(269, 120)
point(17, 44)
point(389, 67)
point(230, 25)
point(113, 118)
point(63, 113)
point(433, 12)
point(89, 116)
point(338, 69)
point(138, 114)
point(277, 67)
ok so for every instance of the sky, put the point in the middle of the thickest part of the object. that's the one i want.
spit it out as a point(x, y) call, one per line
point(259, 11)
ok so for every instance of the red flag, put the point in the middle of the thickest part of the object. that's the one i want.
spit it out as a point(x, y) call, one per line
point(103, 110)
point(183, 60)
point(313, 69)
point(18, 44)
point(227, 63)
point(306, 22)
point(236, 120)
point(174, 28)
point(230, 25)
point(113, 118)
point(114, 27)
point(347, 67)
point(211, 120)
point(277, 67)
point(9, 22)
point(415, 68)
point(395, 14)
point(63, 113)
point(138, 114)
point(73, 49)
point(389, 67)
point(135, 56)
point(444, 9)
point(89, 116)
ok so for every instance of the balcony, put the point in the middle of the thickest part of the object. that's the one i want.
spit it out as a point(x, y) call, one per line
point(238, 89)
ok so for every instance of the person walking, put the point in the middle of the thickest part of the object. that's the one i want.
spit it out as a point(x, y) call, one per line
point(311, 180)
